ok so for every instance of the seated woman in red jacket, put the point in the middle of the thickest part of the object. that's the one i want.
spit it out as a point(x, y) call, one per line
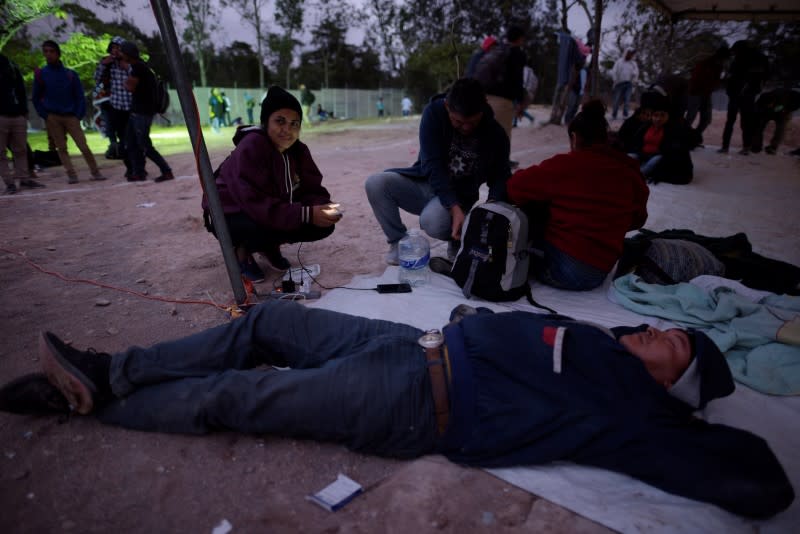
point(270, 189)
point(581, 204)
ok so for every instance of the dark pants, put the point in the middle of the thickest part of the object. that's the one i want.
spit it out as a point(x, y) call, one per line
point(119, 129)
point(745, 106)
point(247, 233)
point(699, 104)
point(139, 145)
point(357, 381)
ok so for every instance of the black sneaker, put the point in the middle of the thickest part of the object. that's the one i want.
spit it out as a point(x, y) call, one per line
point(31, 183)
point(723, 150)
point(81, 376)
point(164, 177)
point(274, 258)
point(32, 394)
point(10, 189)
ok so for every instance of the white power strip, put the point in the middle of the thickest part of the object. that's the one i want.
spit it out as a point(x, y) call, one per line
point(295, 295)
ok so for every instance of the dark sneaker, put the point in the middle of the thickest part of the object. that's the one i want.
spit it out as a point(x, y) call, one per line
point(744, 152)
point(10, 189)
point(97, 177)
point(275, 260)
point(440, 265)
point(723, 150)
point(81, 376)
point(31, 183)
point(71, 179)
point(452, 249)
point(250, 270)
point(32, 394)
point(770, 150)
point(164, 177)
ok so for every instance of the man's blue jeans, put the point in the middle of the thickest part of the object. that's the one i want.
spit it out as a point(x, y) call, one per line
point(353, 380)
point(140, 146)
point(622, 91)
point(388, 192)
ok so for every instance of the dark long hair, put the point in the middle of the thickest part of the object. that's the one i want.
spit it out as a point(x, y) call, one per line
point(590, 124)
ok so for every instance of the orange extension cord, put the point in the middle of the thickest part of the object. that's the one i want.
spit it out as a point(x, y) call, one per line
point(233, 309)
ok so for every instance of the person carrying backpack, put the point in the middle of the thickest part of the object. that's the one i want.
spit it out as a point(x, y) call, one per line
point(581, 204)
point(142, 83)
point(500, 72)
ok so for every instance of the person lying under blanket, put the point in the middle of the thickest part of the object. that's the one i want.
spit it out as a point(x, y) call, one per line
point(491, 390)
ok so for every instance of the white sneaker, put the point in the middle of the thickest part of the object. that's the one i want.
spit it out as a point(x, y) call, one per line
point(393, 256)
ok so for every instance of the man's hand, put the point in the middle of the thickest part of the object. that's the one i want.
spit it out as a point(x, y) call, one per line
point(457, 214)
point(320, 216)
point(107, 60)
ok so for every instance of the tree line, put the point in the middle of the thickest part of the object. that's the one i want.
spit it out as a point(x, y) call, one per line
point(417, 45)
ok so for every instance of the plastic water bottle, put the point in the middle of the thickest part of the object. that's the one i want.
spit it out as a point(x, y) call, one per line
point(415, 253)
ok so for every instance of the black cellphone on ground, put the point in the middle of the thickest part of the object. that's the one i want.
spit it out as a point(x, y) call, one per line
point(394, 288)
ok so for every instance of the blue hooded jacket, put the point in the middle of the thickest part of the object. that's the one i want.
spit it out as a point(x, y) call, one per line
point(531, 389)
point(57, 89)
point(435, 138)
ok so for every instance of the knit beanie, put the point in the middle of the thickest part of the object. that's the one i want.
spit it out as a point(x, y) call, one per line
point(278, 98)
point(708, 376)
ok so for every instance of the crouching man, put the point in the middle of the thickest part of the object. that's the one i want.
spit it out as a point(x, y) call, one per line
point(461, 146)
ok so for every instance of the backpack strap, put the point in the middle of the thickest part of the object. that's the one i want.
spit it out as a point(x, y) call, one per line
point(529, 296)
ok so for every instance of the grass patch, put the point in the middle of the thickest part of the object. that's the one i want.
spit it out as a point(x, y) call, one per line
point(170, 140)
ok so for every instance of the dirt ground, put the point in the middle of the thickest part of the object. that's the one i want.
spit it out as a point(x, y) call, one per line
point(144, 248)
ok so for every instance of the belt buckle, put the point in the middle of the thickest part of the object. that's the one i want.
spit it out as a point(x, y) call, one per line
point(431, 339)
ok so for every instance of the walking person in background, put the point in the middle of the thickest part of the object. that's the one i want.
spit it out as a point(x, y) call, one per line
point(249, 105)
point(704, 81)
point(14, 127)
point(59, 99)
point(141, 83)
point(216, 109)
point(746, 76)
point(624, 74)
point(227, 109)
point(307, 98)
point(380, 106)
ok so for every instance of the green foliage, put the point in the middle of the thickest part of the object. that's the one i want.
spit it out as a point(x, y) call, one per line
point(16, 14)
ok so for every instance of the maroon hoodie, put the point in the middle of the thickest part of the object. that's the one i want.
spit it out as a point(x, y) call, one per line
point(274, 189)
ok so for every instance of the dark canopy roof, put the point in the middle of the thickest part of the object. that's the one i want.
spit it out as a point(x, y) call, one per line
point(777, 10)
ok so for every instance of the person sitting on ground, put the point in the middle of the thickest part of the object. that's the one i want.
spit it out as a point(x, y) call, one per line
point(625, 138)
point(270, 189)
point(322, 115)
point(663, 144)
point(461, 146)
point(581, 204)
point(491, 390)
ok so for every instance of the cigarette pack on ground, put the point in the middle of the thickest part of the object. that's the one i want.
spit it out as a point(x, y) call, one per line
point(337, 494)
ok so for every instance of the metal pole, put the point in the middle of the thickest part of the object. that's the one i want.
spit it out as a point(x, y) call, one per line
point(184, 90)
point(598, 23)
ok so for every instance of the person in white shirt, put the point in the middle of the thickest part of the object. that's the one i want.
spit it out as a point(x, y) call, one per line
point(625, 74)
point(406, 105)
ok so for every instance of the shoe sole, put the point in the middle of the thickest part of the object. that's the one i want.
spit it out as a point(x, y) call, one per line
point(76, 387)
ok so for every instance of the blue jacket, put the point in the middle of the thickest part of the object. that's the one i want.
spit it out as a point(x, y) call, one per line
point(57, 89)
point(435, 137)
point(517, 400)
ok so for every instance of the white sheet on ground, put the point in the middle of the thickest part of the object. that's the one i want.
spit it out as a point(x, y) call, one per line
point(616, 501)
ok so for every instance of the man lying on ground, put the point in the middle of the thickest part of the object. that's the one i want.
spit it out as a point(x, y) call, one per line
point(492, 390)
